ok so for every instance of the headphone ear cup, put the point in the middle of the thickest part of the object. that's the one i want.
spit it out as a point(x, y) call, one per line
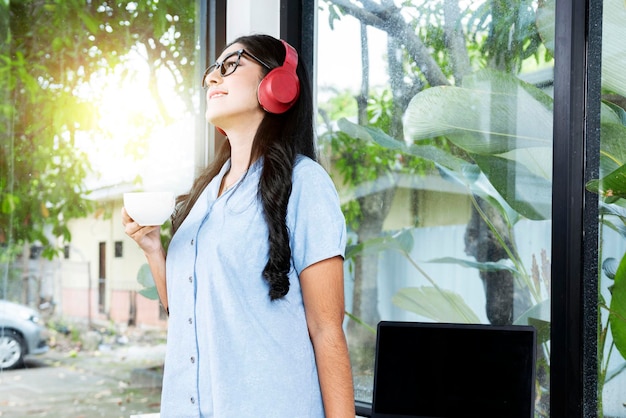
point(279, 90)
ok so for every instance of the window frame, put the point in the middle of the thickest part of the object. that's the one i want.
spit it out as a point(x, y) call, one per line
point(576, 151)
point(212, 29)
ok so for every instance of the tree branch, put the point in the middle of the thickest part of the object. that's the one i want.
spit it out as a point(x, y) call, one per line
point(455, 40)
point(391, 21)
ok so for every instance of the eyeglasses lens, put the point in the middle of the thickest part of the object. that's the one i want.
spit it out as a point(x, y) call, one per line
point(226, 67)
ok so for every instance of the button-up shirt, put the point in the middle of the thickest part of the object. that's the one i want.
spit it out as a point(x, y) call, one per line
point(231, 351)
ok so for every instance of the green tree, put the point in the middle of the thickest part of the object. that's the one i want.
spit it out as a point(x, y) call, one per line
point(48, 50)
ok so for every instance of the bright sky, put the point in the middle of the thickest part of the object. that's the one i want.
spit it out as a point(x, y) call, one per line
point(339, 53)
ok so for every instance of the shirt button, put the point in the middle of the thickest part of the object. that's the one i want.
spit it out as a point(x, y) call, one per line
point(190, 279)
point(193, 359)
point(192, 242)
point(192, 400)
point(190, 321)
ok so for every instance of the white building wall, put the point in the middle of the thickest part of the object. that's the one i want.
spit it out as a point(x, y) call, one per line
point(244, 17)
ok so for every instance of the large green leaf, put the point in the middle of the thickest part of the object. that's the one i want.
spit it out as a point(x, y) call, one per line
point(619, 228)
point(482, 266)
point(613, 35)
point(617, 318)
point(401, 241)
point(489, 115)
point(451, 168)
point(478, 184)
point(427, 152)
point(546, 18)
point(612, 147)
point(436, 304)
point(613, 209)
point(612, 185)
point(370, 134)
point(144, 278)
point(527, 193)
point(150, 293)
point(538, 316)
point(612, 113)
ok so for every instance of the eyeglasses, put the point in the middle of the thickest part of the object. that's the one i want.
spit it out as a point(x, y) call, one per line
point(229, 64)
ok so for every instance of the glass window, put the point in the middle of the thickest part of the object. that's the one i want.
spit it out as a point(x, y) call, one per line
point(96, 99)
point(435, 120)
point(611, 188)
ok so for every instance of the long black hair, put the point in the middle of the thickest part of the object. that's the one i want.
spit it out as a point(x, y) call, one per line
point(278, 140)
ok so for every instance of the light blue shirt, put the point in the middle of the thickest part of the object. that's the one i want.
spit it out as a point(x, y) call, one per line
point(231, 352)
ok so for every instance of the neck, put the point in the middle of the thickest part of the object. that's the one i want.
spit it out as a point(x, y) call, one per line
point(240, 153)
point(239, 156)
point(238, 166)
point(241, 136)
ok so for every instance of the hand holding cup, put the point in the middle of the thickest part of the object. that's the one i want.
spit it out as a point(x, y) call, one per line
point(149, 208)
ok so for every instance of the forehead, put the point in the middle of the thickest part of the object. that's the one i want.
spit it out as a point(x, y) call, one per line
point(230, 50)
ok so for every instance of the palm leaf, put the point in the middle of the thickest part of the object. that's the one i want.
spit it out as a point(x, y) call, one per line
point(617, 317)
point(436, 304)
point(486, 116)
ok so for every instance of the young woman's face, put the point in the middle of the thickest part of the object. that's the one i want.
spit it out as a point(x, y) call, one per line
point(232, 99)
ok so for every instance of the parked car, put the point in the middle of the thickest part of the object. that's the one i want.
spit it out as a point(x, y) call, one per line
point(21, 333)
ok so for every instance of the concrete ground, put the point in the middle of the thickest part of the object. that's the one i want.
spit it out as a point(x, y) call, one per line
point(113, 380)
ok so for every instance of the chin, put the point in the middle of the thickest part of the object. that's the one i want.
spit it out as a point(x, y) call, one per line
point(212, 118)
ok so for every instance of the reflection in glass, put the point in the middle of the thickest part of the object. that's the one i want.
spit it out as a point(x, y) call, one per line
point(438, 132)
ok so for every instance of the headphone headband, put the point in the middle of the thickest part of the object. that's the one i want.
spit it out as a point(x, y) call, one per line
point(291, 57)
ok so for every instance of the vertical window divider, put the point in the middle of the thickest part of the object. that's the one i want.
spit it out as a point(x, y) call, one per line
point(574, 310)
point(212, 30)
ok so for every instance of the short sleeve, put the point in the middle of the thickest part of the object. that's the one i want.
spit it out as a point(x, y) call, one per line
point(317, 227)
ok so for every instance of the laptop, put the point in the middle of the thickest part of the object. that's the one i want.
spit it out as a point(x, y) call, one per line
point(438, 370)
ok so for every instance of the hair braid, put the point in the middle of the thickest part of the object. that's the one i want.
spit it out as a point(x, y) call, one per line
point(274, 190)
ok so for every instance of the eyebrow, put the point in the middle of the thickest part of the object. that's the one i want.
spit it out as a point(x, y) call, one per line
point(229, 55)
point(244, 52)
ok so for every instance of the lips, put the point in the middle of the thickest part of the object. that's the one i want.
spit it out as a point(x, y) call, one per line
point(214, 94)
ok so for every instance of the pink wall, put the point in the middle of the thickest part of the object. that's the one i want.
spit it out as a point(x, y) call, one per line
point(75, 304)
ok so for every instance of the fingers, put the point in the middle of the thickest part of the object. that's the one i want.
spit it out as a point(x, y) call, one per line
point(136, 231)
point(125, 217)
point(133, 229)
point(130, 226)
point(146, 237)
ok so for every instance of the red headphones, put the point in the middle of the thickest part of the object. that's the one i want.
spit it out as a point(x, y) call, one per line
point(280, 88)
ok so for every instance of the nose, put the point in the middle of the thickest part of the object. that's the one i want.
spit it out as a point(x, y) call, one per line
point(214, 77)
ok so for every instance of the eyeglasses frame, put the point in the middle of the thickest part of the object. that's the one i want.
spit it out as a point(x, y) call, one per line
point(220, 65)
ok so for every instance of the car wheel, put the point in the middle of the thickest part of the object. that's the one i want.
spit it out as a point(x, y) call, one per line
point(12, 349)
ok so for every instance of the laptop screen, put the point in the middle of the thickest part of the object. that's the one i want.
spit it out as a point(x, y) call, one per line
point(434, 370)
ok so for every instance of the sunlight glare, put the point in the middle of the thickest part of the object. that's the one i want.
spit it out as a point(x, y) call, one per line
point(135, 142)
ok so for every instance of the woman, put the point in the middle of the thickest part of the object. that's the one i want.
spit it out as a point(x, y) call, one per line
point(254, 269)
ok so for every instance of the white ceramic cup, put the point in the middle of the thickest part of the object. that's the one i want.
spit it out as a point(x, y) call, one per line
point(149, 208)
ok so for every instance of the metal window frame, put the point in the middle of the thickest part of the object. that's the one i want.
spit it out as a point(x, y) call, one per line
point(574, 307)
point(212, 30)
point(297, 26)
